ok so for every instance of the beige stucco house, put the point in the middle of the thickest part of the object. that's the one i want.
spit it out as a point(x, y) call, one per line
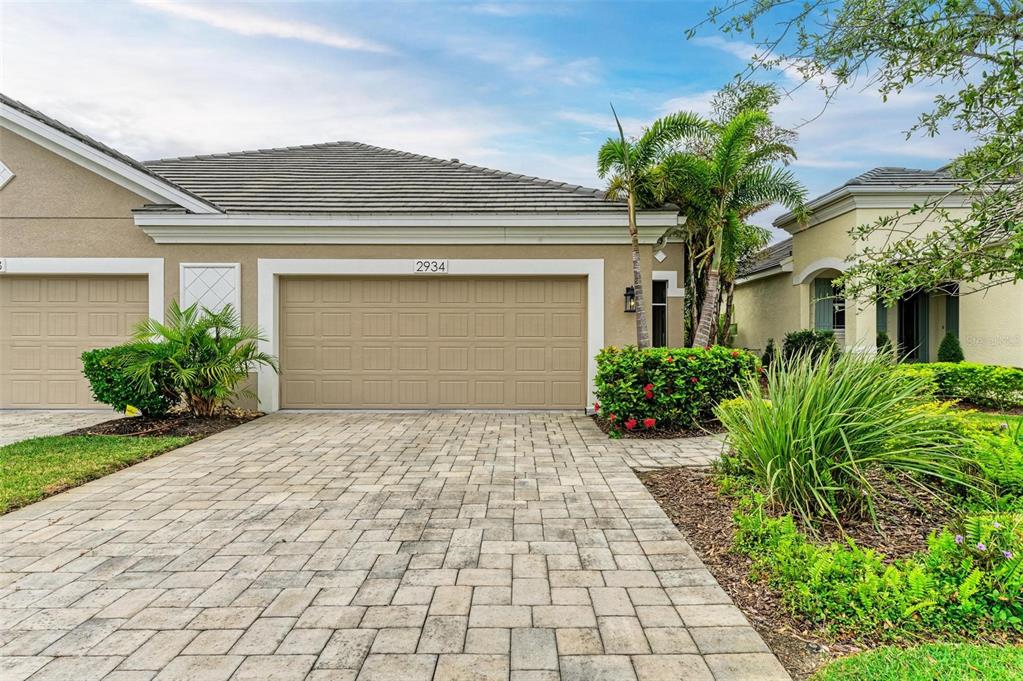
point(381, 279)
point(789, 287)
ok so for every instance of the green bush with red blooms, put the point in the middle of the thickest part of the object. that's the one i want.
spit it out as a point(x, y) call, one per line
point(667, 388)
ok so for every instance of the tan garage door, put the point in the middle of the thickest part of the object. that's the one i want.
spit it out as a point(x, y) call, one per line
point(433, 342)
point(45, 325)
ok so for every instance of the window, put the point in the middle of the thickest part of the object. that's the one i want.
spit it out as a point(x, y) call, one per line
point(659, 308)
point(828, 306)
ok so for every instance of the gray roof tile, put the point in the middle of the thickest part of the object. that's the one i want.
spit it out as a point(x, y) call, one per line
point(769, 258)
point(350, 177)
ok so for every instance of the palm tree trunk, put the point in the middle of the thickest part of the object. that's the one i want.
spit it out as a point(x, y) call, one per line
point(708, 311)
point(729, 308)
point(642, 330)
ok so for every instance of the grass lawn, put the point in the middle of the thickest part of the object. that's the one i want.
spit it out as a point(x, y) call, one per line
point(931, 662)
point(31, 470)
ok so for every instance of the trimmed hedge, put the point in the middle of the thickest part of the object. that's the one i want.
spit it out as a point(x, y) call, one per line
point(810, 342)
point(986, 385)
point(112, 385)
point(667, 388)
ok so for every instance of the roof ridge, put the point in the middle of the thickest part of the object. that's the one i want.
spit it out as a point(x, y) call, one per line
point(244, 152)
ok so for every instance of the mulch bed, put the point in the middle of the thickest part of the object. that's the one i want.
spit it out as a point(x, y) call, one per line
point(712, 428)
point(691, 499)
point(182, 424)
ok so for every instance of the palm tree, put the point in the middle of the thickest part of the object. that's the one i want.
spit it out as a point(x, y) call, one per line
point(628, 166)
point(720, 187)
point(201, 356)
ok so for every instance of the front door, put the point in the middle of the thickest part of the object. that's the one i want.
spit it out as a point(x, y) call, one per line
point(913, 322)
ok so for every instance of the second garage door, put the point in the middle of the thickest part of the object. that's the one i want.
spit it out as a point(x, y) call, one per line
point(45, 325)
point(433, 342)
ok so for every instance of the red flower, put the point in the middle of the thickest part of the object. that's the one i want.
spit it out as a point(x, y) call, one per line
point(631, 423)
point(649, 396)
point(596, 406)
point(694, 379)
point(670, 359)
point(612, 417)
point(649, 423)
point(735, 353)
point(649, 387)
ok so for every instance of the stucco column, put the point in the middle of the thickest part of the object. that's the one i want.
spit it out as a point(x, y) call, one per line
point(805, 304)
point(861, 326)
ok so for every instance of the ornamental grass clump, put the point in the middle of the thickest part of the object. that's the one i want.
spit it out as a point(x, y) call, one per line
point(816, 445)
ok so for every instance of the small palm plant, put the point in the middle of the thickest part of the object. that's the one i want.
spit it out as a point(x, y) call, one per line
point(201, 355)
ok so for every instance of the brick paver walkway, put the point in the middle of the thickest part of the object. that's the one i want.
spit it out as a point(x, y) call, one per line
point(21, 424)
point(369, 546)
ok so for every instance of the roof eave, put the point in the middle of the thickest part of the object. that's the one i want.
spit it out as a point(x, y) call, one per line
point(143, 183)
point(788, 222)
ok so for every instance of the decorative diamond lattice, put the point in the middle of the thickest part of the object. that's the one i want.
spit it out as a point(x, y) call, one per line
point(212, 287)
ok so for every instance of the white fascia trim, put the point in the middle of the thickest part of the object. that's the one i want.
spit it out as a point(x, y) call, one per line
point(836, 203)
point(151, 267)
point(236, 266)
point(270, 270)
point(98, 162)
point(818, 266)
point(670, 276)
point(427, 228)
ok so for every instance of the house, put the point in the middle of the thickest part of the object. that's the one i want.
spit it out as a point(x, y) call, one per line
point(381, 279)
point(790, 285)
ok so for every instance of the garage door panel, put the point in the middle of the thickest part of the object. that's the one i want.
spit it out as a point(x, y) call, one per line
point(46, 322)
point(421, 342)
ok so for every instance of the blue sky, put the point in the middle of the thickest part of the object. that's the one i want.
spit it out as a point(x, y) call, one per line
point(518, 86)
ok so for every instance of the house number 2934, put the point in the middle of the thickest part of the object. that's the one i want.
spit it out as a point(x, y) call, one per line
point(430, 267)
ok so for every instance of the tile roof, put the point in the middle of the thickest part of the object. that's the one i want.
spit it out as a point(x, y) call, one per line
point(769, 258)
point(89, 141)
point(900, 177)
point(350, 177)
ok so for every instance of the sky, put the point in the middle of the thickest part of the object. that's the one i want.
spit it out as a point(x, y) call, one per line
point(518, 86)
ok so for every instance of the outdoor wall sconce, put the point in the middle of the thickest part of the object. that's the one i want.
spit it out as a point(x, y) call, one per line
point(630, 299)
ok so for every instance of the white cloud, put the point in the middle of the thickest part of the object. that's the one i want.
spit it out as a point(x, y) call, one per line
point(523, 61)
point(245, 22)
point(113, 84)
point(603, 123)
point(515, 9)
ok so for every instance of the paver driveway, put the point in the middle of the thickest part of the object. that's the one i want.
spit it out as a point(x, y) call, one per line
point(444, 546)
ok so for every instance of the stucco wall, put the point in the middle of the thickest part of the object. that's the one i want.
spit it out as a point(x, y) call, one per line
point(766, 308)
point(990, 324)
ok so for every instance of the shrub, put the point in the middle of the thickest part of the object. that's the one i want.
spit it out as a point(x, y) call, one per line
point(809, 342)
point(884, 344)
point(676, 387)
point(986, 385)
point(827, 426)
point(950, 350)
point(205, 356)
point(968, 580)
point(112, 384)
point(768, 356)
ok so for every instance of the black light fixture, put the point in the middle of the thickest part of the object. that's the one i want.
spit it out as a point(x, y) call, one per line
point(630, 299)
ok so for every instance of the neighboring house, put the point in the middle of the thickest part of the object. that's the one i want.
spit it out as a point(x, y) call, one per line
point(380, 279)
point(790, 287)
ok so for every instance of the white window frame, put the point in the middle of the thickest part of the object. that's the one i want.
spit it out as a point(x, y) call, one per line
point(269, 272)
point(150, 267)
point(236, 300)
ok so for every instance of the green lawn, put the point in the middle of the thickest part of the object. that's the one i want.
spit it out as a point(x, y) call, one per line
point(31, 470)
point(931, 662)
